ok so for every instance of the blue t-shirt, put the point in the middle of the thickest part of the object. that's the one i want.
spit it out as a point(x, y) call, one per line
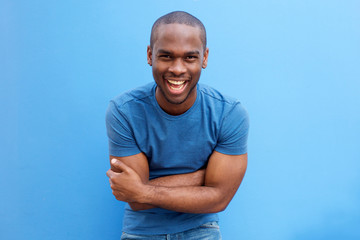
point(173, 145)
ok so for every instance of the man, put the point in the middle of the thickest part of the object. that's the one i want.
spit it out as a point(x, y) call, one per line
point(178, 149)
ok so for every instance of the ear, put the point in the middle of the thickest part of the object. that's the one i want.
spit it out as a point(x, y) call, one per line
point(205, 59)
point(149, 55)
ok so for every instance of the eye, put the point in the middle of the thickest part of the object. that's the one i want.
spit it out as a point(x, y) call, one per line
point(191, 58)
point(165, 56)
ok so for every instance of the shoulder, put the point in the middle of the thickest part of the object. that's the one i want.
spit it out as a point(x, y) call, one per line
point(221, 103)
point(231, 117)
point(138, 96)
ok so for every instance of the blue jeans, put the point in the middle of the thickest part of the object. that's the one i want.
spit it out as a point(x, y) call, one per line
point(207, 231)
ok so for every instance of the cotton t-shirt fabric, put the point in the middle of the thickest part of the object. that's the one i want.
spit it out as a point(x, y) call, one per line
point(173, 145)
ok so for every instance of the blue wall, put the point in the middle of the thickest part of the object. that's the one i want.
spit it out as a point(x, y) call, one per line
point(295, 65)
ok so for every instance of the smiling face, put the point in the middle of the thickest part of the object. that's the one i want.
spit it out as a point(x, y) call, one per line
point(177, 57)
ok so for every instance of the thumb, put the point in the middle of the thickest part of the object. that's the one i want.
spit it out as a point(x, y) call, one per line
point(118, 166)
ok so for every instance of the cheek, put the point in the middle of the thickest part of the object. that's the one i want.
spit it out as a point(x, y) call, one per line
point(155, 70)
point(159, 69)
point(195, 71)
point(157, 74)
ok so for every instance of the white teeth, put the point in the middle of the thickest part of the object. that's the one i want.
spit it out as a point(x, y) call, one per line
point(179, 87)
point(176, 82)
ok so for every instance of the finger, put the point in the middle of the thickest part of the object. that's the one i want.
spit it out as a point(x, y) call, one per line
point(113, 166)
point(119, 165)
point(112, 179)
point(109, 173)
point(112, 185)
point(119, 196)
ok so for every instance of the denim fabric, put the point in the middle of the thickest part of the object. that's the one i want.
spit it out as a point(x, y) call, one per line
point(207, 231)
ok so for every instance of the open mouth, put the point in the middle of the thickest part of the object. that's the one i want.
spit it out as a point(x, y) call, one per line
point(177, 85)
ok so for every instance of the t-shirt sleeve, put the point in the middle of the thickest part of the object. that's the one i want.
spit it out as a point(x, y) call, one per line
point(121, 138)
point(234, 132)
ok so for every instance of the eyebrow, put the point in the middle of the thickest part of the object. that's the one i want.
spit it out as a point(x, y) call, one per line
point(193, 53)
point(162, 51)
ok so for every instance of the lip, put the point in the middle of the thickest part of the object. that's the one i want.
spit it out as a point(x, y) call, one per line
point(173, 90)
point(177, 79)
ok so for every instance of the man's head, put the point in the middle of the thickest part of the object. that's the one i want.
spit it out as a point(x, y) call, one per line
point(178, 17)
point(177, 54)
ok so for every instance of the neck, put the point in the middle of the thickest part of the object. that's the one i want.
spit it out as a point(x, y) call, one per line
point(172, 108)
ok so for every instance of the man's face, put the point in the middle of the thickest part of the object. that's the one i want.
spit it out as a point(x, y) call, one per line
point(177, 57)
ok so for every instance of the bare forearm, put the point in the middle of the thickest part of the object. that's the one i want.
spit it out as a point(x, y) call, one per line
point(193, 199)
point(223, 178)
point(224, 174)
point(188, 179)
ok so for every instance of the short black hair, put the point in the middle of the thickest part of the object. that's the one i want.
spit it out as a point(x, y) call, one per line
point(180, 17)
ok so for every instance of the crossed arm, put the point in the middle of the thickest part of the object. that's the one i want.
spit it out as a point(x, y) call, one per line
point(203, 191)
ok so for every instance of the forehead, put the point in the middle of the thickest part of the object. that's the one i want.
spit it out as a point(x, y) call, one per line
point(178, 36)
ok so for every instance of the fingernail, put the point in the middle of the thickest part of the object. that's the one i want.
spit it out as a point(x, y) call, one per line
point(113, 161)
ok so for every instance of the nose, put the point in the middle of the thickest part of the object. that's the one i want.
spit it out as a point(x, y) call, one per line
point(177, 67)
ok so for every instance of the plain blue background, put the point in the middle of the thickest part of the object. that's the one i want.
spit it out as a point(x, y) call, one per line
point(295, 65)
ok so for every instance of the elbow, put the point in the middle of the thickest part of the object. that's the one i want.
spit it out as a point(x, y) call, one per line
point(135, 206)
point(139, 206)
point(216, 208)
point(219, 202)
point(221, 207)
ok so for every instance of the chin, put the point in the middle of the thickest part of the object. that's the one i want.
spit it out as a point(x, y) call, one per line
point(178, 102)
